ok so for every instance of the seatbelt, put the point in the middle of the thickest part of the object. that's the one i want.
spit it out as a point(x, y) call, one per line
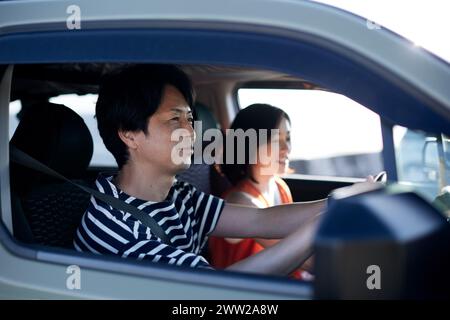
point(25, 160)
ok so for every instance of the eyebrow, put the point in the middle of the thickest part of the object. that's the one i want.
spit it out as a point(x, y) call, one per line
point(180, 110)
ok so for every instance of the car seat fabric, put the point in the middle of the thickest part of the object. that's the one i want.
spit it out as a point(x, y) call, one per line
point(47, 211)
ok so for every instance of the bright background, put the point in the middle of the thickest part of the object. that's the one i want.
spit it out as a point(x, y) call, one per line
point(426, 23)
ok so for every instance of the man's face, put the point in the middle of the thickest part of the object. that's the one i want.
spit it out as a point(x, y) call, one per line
point(157, 148)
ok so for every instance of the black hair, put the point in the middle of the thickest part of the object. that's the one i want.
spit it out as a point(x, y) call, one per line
point(256, 116)
point(129, 97)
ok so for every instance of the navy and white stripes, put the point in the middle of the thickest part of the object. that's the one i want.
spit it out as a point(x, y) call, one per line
point(187, 216)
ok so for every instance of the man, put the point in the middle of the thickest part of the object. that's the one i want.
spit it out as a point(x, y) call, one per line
point(137, 111)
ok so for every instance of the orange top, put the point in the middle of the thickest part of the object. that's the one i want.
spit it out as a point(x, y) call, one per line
point(224, 253)
point(247, 187)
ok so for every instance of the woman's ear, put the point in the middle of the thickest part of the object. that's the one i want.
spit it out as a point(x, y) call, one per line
point(129, 138)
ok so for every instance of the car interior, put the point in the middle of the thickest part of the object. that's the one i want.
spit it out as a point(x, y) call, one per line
point(46, 210)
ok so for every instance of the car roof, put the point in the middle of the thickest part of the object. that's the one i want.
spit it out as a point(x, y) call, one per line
point(49, 80)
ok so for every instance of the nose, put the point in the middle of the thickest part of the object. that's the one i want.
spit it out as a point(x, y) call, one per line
point(285, 146)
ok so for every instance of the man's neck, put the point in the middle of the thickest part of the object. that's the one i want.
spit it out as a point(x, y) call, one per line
point(144, 183)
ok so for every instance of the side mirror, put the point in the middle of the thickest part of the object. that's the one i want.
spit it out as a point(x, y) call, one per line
point(382, 244)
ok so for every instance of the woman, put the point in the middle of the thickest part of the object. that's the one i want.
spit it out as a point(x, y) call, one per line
point(256, 183)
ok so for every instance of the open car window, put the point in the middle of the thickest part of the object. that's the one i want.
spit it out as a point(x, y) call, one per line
point(331, 134)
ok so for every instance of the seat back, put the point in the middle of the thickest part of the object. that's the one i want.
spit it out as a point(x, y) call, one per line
point(47, 211)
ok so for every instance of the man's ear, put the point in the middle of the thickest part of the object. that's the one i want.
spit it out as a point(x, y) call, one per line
point(129, 138)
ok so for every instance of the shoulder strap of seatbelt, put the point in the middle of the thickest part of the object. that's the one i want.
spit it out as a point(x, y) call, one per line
point(24, 159)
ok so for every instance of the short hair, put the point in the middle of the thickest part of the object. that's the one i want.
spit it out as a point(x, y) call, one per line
point(256, 116)
point(129, 97)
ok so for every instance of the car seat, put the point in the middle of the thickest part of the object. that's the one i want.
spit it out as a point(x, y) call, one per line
point(47, 211)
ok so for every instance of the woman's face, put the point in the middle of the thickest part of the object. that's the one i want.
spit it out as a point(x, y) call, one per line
point(284, 141)
point(277, 151)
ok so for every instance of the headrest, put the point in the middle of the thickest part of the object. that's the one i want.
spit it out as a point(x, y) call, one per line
point(203, 114)
point(56, 136)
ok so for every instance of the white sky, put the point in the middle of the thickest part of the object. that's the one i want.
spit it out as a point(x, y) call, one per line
point(426, 23)
point(323, 124)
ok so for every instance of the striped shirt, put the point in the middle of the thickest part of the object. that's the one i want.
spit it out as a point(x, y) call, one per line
point(187, 216)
